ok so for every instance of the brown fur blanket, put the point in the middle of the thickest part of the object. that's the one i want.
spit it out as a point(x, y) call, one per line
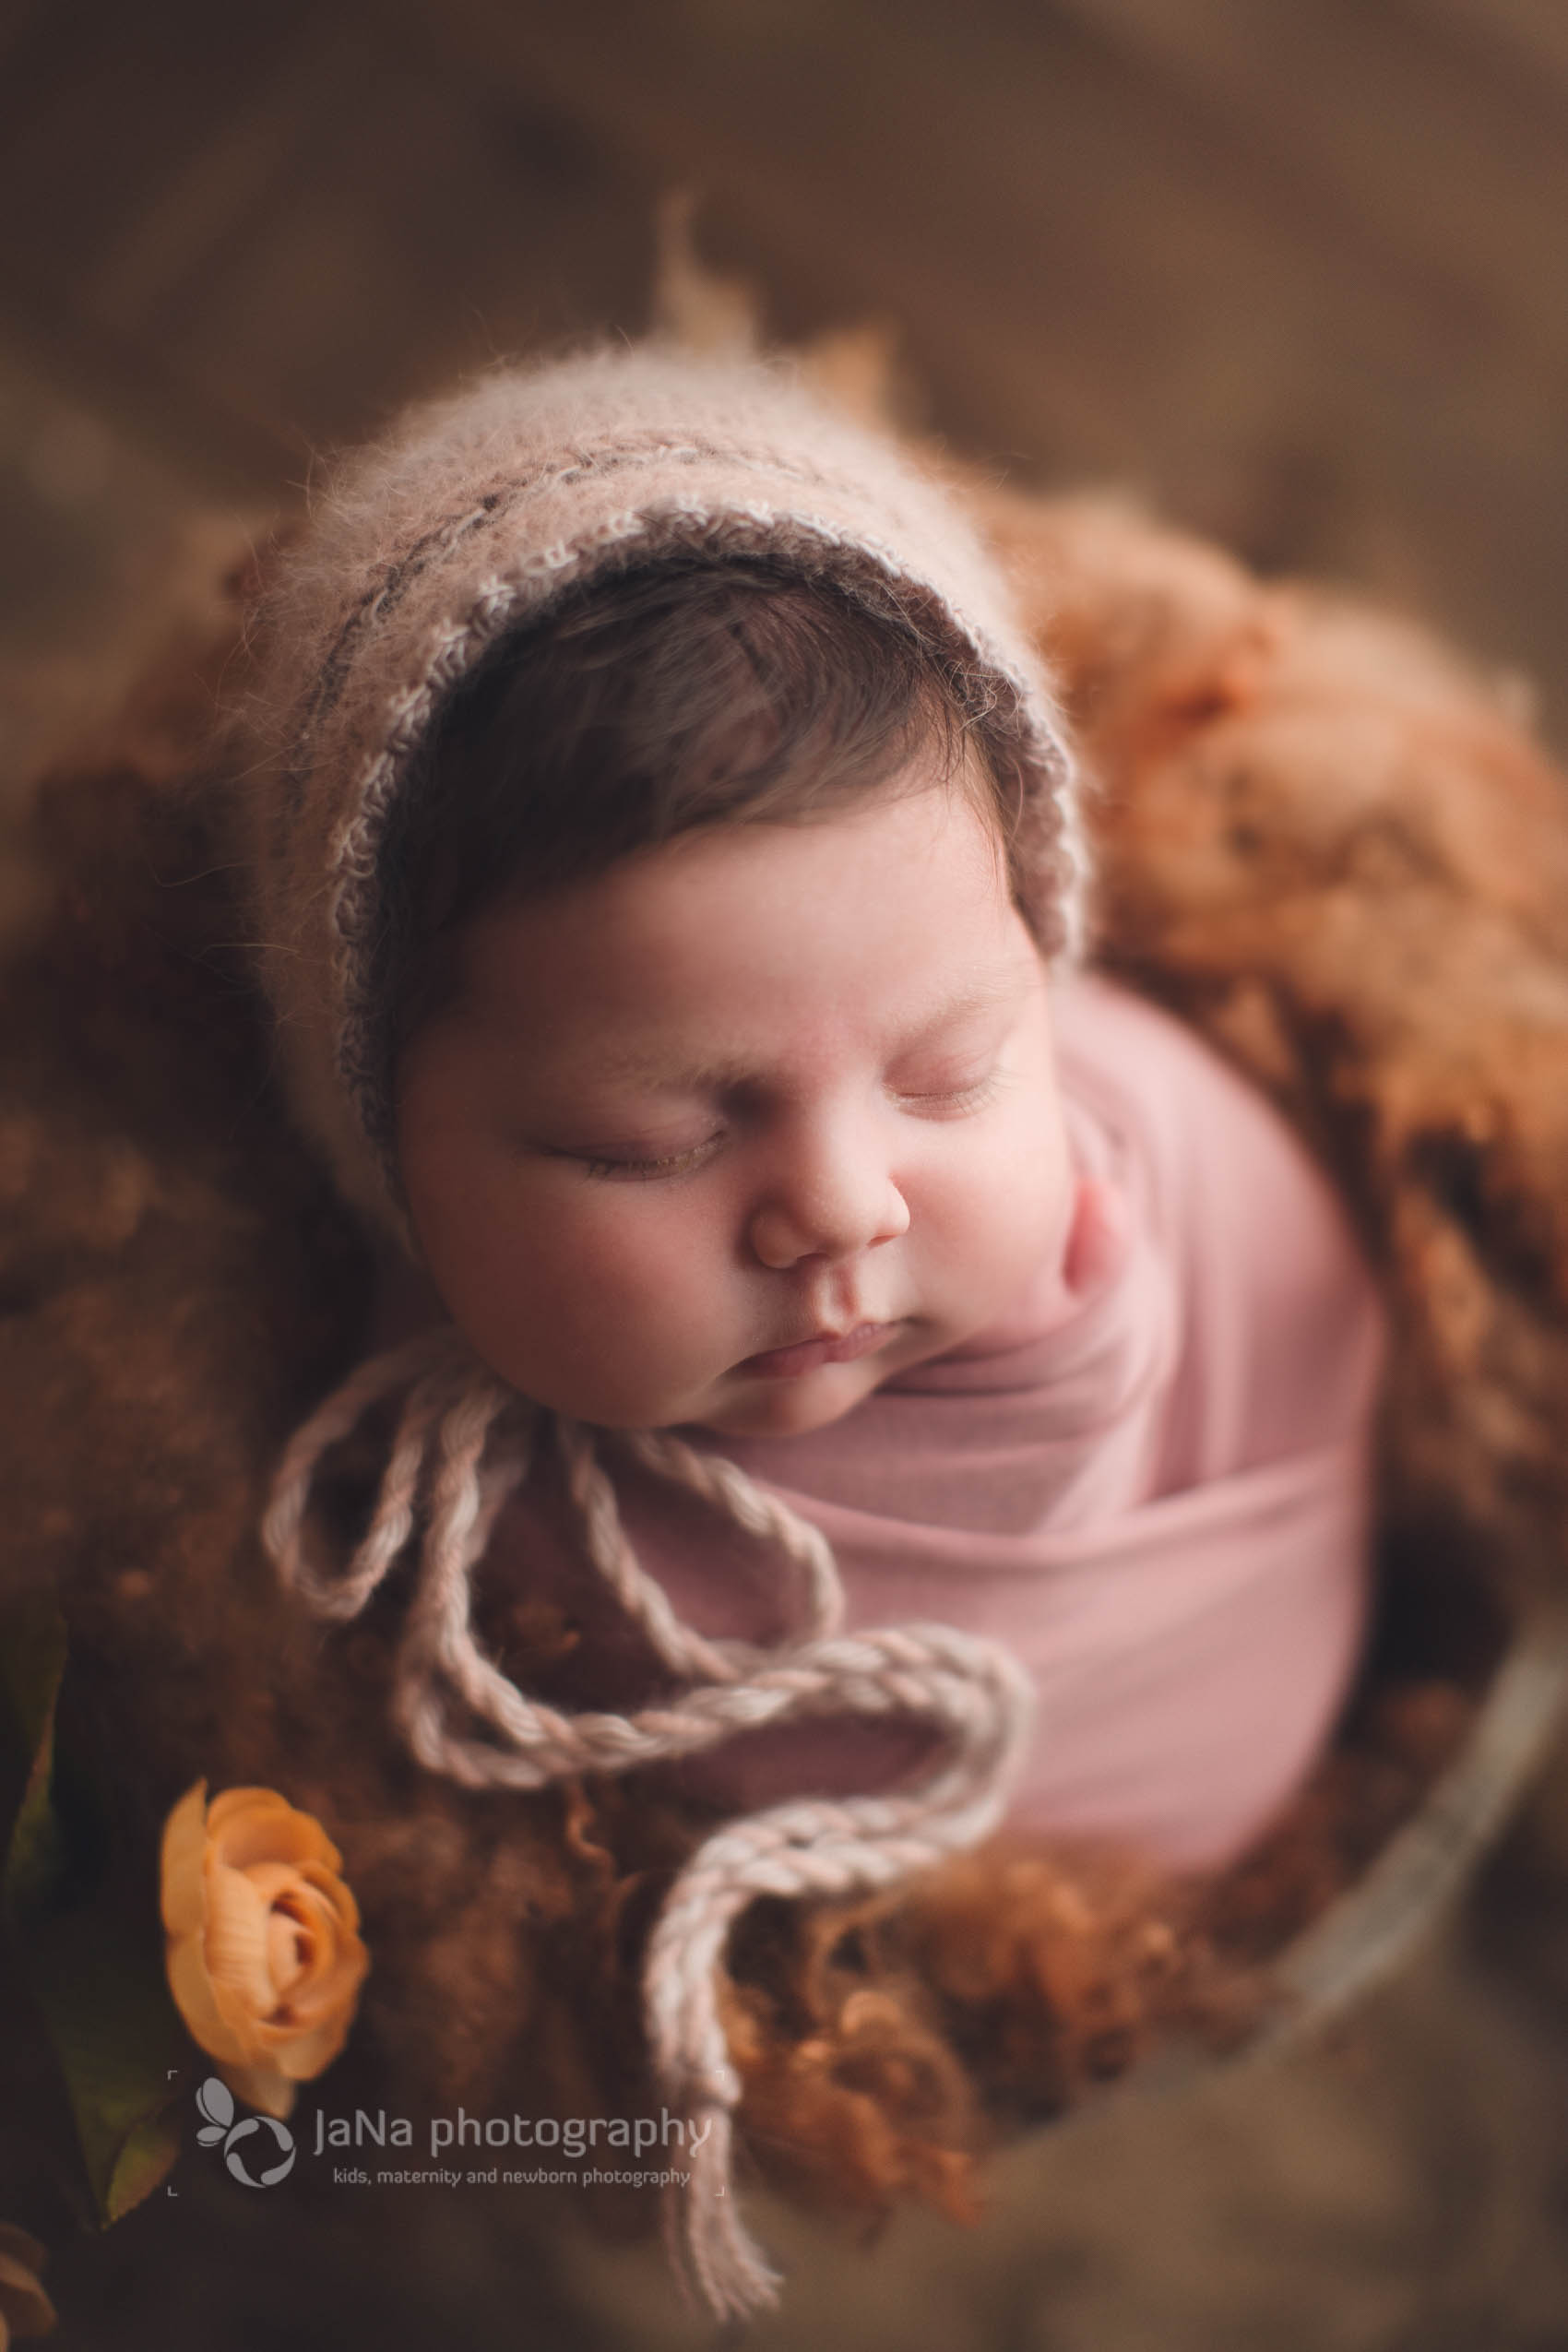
point(1324, 842)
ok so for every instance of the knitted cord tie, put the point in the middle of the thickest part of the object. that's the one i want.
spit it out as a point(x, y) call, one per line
point(462, 1445)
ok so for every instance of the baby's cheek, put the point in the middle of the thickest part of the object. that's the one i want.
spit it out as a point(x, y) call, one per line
point(1026, 1234)
point(640, 1306)
point(654, 1255)
point(1014, 1203)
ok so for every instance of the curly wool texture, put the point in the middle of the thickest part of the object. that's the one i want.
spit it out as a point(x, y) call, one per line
point(182, 1283)
point(1324, 842)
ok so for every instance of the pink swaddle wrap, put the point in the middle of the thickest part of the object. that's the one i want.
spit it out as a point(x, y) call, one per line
point(1153, 1485)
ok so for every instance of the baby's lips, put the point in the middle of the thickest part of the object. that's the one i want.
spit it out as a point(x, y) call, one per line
point(1099, 1240)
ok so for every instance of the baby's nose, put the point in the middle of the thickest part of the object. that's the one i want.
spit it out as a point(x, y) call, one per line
point(830, 1208)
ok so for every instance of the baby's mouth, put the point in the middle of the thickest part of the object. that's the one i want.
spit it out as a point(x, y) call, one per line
point(828, 1348)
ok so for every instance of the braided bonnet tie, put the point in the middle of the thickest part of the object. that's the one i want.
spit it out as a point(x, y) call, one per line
point(462, 1446)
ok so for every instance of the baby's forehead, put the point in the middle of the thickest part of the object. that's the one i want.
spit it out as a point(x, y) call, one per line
point(931, 771)
point(886, 922)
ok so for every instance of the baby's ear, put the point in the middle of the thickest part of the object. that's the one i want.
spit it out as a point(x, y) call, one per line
point(1098, 1239)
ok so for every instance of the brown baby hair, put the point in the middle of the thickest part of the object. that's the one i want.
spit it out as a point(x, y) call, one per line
point(661, 699)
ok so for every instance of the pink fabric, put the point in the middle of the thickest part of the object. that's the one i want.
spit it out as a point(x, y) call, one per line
point(1153, 1484)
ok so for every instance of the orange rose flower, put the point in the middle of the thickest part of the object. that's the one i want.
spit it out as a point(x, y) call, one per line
point(265, 1962)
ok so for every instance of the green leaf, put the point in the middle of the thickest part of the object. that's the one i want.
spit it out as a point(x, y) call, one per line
point(89, 1941)
point(119, 2046)
point(146, 2159)
point(32, 1666)
point(32, 1659)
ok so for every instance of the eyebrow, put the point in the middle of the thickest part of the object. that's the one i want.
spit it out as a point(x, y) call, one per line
point(631, 1066)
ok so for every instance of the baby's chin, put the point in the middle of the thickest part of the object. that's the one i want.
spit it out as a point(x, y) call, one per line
point(759, 1407)
point(754, 1404)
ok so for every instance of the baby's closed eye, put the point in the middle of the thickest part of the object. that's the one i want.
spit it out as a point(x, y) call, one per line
point(952, 1093)
point(636, 1161)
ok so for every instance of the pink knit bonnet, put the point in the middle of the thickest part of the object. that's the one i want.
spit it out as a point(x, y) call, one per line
point(469, 521)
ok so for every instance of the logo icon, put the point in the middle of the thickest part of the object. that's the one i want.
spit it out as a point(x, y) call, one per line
point(217, 2104)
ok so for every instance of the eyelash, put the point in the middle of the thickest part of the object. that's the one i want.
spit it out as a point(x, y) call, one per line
point(959, 1100)
point(956, 1101)
point(642, 1170)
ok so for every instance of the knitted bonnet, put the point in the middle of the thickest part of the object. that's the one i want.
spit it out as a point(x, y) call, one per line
point(470, 522)
point(425, 553)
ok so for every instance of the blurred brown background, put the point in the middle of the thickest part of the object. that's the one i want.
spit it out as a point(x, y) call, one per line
point(1297, 270)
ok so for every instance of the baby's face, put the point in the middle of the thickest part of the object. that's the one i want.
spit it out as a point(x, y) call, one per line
point(731, 1133)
